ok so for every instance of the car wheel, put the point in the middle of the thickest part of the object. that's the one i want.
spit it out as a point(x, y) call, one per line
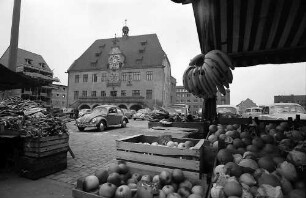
point(81, 128)
point(123, 124)
point(134, 118)
point(101, 126)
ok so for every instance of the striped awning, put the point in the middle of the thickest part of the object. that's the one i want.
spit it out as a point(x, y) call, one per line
point(252, 32)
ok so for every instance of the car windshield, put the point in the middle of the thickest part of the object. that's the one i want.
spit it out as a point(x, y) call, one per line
point(226, 110)
point(102, 110)
point(256, 110)
point(286, 109)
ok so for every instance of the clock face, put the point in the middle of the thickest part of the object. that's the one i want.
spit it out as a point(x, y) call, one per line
point(114, 76)
point(114, 61)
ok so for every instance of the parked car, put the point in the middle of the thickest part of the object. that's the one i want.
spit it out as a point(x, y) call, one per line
point(84, 112)
point(228, 111)
point(252, 112)
point(282, 111)
point(102, 117)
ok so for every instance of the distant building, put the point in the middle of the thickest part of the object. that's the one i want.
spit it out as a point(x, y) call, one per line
point(59, 96)
point(34, 66)
point(195, 103)
point(132, 72)
point(243, 105)
point(299, 99)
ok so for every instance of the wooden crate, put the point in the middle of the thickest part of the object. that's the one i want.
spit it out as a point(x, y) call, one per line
point(78, 193)
point(147, 158)
point(34, 168)
point(45, 146)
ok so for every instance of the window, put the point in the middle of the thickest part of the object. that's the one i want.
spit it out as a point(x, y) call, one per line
point(149, 75)
point(76, 95)
point(42, 65)
point(148, 94)
point(103, 77)
point(188, 100)
point(136, 76)
point(135, 92)
point(28, 61)
point(195, 100)
point(93, 93)
point(76, 78)
point(124, 76)
point(85, 77)
point(103, 94)
point(188, 95)
point(57, 95)
point(143, 43)
point(94, 78)
point(123, 92)
point(113, 93)
point(195, 106)
point(84, 93)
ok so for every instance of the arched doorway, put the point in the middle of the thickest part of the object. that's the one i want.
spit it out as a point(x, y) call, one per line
point(136, 107)
point(122, 106)
point(84, 106)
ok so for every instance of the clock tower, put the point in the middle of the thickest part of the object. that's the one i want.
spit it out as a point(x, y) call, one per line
point(115, 63)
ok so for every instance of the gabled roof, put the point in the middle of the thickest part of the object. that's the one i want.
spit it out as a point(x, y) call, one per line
point(24, 54)
point(144, 48)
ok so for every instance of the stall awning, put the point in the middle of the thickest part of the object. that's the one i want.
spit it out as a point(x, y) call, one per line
point(253, 32)
point(12, 80)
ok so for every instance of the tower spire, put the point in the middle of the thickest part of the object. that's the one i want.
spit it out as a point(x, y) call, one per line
point(125, 29)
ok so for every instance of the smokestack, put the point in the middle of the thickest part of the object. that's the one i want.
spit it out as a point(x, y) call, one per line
point(14, 36)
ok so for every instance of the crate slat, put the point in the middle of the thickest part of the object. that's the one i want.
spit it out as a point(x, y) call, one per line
point(160, 150)
point(46, 148)
point(34, 144)
point(159, 160)
point(44, 154)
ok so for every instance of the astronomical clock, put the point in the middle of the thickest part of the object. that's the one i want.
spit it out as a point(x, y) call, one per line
point(115, 63)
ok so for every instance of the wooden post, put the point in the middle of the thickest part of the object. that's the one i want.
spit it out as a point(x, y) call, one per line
point(14, 36)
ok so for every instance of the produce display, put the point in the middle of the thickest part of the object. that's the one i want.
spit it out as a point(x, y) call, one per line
point(119, 182)
point(29, 118)
point(271, 164)
point(208, 73)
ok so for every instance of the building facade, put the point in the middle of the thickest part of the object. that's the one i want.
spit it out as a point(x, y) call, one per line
point(34, 66)
point(299, 99)
point(59, 96)
point(195, 103)
point(132, 72)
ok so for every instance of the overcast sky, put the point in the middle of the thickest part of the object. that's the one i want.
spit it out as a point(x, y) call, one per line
point(61, 30)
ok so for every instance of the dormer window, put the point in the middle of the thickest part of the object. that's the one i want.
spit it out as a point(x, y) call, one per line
point(141, 51)
point(98, 54)
point(43, 65)
point(28, 61)
point(143, 43)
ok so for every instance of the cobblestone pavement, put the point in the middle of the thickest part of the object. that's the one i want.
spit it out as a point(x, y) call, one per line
point(93, 150)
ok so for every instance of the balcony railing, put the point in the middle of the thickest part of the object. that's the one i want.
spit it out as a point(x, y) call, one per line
point(112, 99)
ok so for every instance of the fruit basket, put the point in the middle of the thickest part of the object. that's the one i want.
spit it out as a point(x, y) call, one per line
point(120, 180)
point(152, 153)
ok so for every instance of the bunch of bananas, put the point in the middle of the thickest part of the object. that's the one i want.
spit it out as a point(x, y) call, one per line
point(207, 74)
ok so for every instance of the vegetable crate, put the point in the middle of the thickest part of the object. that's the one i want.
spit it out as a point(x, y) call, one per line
point(44, 156)
point(142, 157)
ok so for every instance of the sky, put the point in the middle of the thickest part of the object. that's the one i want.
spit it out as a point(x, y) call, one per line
point(61, 30)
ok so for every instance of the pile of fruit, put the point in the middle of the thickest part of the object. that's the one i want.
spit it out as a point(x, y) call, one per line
point(173, 144)
point(268, 165)
point(118, 182)
point(208, 73)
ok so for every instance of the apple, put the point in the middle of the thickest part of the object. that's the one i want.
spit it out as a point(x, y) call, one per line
point(136, 176)
point(147, 178)
point(178, 175)
point(156, 179)
point(102, 175)
point(176, 144)
point(170, 144)
point(123, 191)
point(123, 168)
point(197, 189)
point(132, 180)
point(181, 145)
point(154, 144)
point(189, 144)
point(162, 194)
point(186, 183)
point(175, 186)
point(194, 196)
point(113, 168)
point(132, 186)
point(165, 177)
point(91, 182)
point(174, 195)
point(144, 192)
point(114, 178)
point(184, 192)
point(168, 189)
point(107, 190)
